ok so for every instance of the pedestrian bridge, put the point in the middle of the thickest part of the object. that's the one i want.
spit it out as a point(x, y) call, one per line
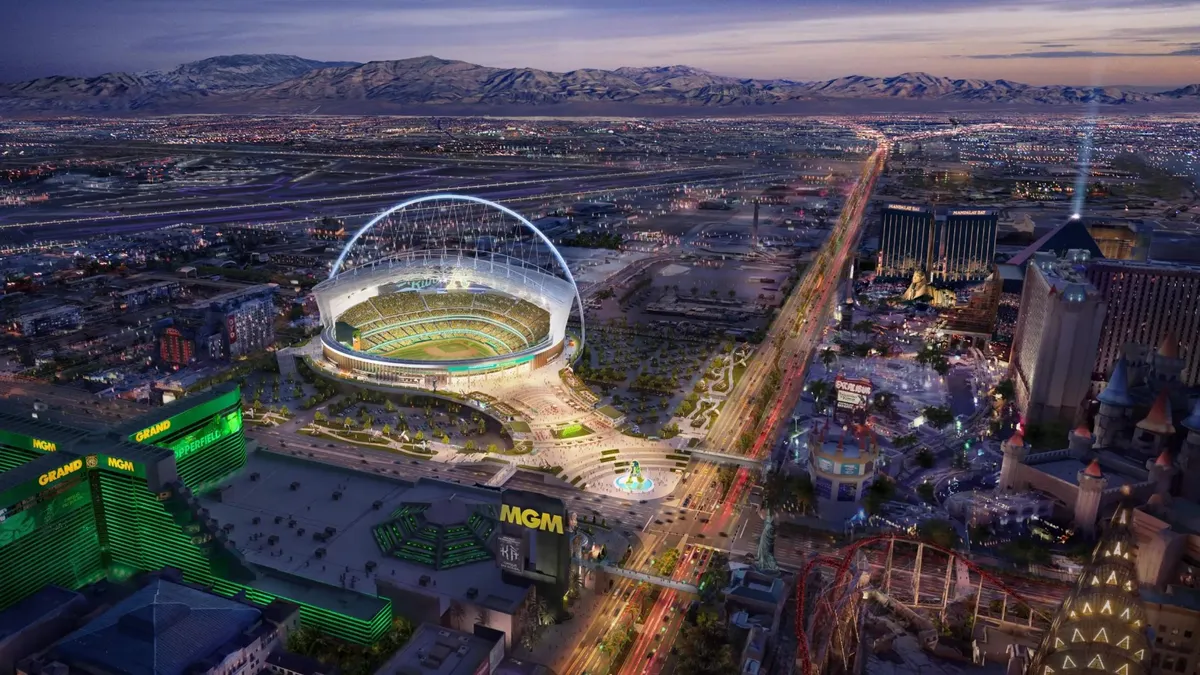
point(724, 458)
point(638, 576)
point(502, 476)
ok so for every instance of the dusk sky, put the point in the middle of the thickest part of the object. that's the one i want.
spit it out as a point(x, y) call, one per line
point(1082, 42)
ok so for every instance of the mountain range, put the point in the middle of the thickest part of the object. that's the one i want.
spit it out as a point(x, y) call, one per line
point(263, 83)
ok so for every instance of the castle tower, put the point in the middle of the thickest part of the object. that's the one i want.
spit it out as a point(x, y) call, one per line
point(1087, 504)
point(1161, 471)
point(1165, 365)
point(1154, 432)
point(1080, 441)
point(1189, 456)
point(1115, 407)
point(1015, 450)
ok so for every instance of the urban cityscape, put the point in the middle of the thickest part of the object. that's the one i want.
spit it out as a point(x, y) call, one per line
point(466, 374)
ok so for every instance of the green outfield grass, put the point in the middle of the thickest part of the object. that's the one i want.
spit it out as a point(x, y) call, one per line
point(449, 349)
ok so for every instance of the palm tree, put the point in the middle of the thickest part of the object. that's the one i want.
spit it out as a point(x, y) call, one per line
point(828, 357)
point(732, 294)
point(819, 389)
point(456, 614)
point(491, 448)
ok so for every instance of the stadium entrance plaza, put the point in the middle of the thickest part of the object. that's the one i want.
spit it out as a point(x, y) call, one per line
point(547, 404)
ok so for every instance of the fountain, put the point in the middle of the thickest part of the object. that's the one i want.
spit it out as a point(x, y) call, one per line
point(633, 480)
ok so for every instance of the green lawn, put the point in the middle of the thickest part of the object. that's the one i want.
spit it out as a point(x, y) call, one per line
point(573, 431)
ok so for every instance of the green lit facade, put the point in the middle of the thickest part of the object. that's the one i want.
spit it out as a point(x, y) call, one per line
point(77, 507)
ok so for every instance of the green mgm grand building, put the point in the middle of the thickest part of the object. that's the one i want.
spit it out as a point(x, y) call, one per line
point(79, 506)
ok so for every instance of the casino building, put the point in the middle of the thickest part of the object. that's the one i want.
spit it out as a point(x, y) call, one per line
point(947, 246)
point(78, 506)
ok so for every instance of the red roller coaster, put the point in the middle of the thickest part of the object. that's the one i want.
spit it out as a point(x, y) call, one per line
point(841, 562)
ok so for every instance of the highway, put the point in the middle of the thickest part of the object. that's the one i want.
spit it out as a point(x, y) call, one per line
point(685, 175)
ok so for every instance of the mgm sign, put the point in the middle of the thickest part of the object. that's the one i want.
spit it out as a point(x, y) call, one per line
point(534, 539)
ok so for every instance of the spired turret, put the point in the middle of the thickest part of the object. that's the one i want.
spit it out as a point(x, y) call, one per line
point(1087, 502)
point(1115, 406)
point(1015, 450)
point(1189, 456)
point(1156, 429)
point(1166, 366)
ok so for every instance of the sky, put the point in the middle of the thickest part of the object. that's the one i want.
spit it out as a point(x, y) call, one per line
point(1079, 42)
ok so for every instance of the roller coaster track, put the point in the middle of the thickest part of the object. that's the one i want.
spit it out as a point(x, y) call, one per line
point(841, 561)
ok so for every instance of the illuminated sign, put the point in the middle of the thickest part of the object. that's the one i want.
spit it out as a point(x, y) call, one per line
point(906, 207)
point(44, 446)
point(849, 469)
point(215, 430)
point(970, 213)
point(861, 387)
point(511, 553)
point(825, 465)
point(120, 464)
point(62, 471)
point(231, 327)
point(852, 395)
point(531, 518)
point(152, 431)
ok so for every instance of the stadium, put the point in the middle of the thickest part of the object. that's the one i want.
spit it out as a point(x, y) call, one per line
point(446, 287)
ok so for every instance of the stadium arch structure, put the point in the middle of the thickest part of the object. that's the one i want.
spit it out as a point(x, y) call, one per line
point(451, 302)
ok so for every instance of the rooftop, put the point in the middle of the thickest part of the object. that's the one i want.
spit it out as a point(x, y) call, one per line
point(351, 518)
point(434, 650)
point(33, 608)
point(162, 629)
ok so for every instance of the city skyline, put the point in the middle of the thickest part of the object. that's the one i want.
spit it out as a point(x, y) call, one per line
point(1147, 43)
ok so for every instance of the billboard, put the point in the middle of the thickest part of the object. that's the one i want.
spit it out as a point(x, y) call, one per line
point(853, 395)
point(510, 553)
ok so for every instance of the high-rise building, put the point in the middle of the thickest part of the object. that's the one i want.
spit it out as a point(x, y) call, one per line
point(1101, 626)
point(964, 245)
point(176, 345)
point(225, 327)
point(951, 246)
point(905, 241)
point(80, 506)
point(1148, 302)
point(1055, 341)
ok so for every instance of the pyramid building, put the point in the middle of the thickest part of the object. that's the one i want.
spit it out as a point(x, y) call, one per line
point(1101, 625)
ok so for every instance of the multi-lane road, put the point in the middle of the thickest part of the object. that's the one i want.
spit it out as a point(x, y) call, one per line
point(797, 330)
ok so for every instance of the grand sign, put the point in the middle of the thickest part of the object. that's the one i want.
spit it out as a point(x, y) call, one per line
point(531, 518)
point(152, 431)
point(61, 472)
